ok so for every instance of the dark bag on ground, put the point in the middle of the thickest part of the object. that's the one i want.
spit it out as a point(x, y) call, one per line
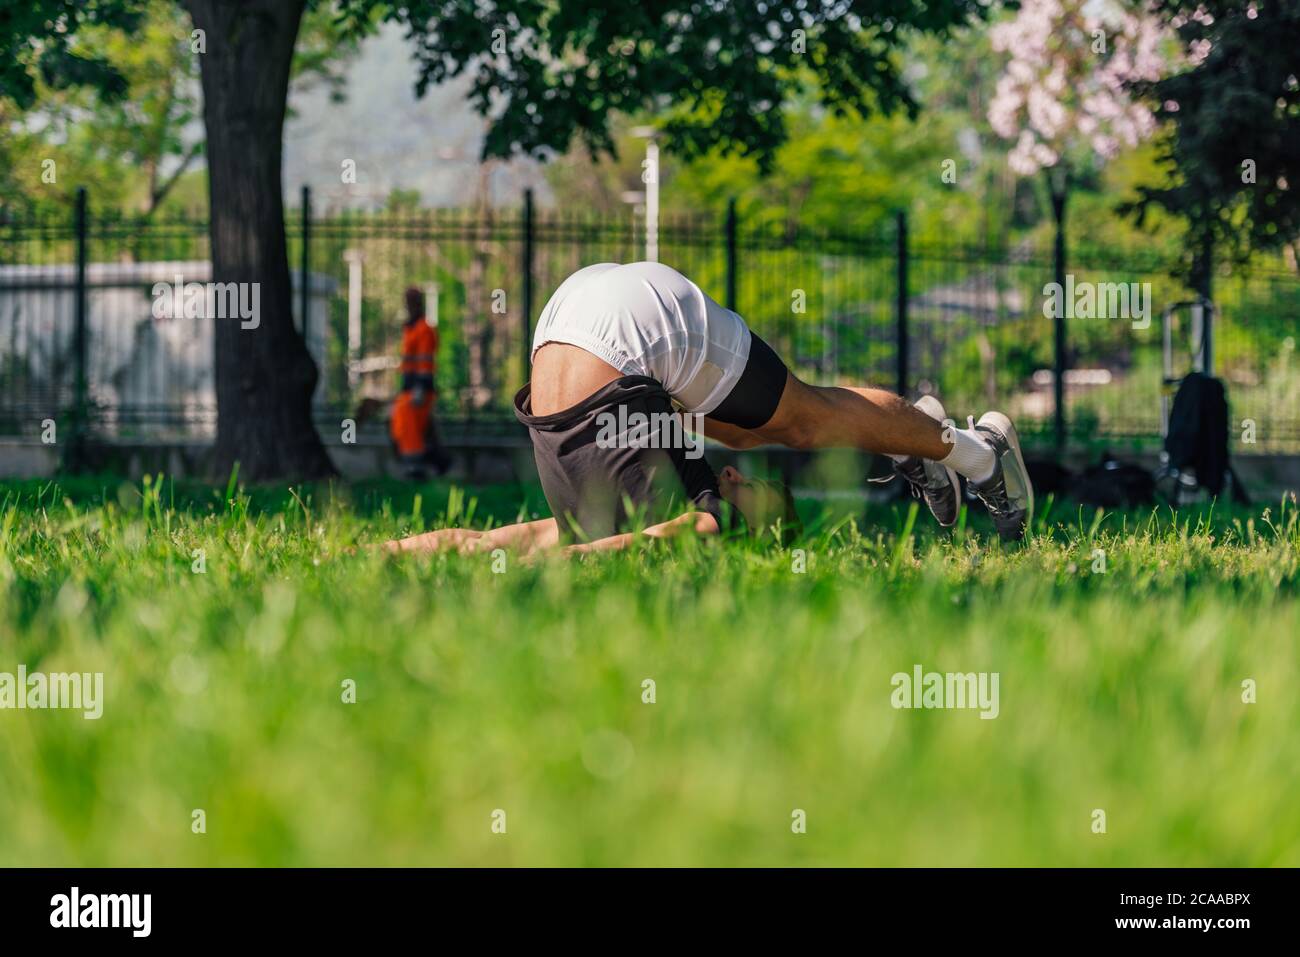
point(1049, 478)
point(1114, 484)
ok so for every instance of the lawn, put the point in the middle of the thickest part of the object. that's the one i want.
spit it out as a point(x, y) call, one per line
point(1121, 643)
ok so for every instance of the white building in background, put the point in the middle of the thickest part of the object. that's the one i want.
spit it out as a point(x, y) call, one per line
point(148, 376)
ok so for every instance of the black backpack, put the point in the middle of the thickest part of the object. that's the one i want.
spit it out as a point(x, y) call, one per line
point(1198, 434)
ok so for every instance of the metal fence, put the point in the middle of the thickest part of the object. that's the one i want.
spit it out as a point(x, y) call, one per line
point(81, 338)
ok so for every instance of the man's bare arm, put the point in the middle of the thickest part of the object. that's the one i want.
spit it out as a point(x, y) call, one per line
point(524, 538)
point(701, 523)
point(529, 538)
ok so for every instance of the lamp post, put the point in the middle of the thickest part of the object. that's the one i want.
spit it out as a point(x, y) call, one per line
point(650, 176)
point(431, 304)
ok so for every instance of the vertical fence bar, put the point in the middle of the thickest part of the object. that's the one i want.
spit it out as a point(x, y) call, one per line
point(1058, 334)
point(304, 287)
point(1207, 338)
point(900, 238)
point(1206, 291)
point(526, 319)
point(80, 404)
point(731, 254)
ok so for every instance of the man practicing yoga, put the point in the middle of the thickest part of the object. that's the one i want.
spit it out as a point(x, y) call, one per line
point(628, 344)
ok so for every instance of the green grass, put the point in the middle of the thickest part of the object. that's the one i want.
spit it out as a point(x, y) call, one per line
point(522, 691)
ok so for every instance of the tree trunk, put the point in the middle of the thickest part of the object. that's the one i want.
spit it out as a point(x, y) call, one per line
point(264, 374)
point(1203, 265)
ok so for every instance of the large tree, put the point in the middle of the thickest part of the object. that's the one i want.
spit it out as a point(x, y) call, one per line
point(544, 72)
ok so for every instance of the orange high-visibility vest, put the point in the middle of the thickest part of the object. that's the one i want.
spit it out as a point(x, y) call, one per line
point(419, 349)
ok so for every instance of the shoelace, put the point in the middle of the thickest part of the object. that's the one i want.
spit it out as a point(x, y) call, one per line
point(886, 479)
point(912, 487)
point(995, 510)
point(999, 489)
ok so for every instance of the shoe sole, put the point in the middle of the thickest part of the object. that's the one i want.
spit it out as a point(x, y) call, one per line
point(1001, 422)
point(934, 409)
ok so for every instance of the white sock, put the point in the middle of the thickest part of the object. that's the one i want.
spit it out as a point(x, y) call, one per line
point(971, 456)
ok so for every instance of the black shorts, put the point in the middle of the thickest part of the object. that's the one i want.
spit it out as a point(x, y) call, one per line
point(753, 401)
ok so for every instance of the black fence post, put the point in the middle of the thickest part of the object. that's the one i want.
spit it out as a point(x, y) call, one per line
point(1206, 291)
point(304, 285)
point(80, 345)
point(1059, 334)
point(904, 357)
point(731, 254)
point(526, 319)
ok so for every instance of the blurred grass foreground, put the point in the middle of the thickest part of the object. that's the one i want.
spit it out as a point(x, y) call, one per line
point(269, 699)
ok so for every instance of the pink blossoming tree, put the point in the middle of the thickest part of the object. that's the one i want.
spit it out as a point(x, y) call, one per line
point(1062, 101)
point(1062, 97)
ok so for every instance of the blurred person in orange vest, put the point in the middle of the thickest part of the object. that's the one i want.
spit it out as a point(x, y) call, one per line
point(412, 426)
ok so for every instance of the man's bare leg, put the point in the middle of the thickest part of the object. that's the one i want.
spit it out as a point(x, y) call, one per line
point(732, 436)
point(874, 420)
point(988, 454)
point(883, 408)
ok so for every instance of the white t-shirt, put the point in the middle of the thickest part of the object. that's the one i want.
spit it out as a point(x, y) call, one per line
point(648, 319)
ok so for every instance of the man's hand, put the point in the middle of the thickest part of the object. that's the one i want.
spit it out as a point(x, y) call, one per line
point(701, 523)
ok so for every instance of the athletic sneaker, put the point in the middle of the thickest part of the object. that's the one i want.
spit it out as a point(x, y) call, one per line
point(937, 484)
point(1007, 493)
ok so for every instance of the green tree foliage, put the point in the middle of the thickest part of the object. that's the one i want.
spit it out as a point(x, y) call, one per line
point(49, 40)
point(845, 172)
point(130, 149)
point(136, 140)
point(550, 72)
point(1233, 153)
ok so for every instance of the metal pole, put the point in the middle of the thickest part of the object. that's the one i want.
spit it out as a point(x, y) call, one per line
point(731, 254)
point(1207, 339)
point(1058, 361)
point(1198, 334)
point(652, 201)
point(80, 412)
point(353, 258)
point(304, 291)
point(904, 358)
point(1207, 308)
point(526, 319)
point(431, 291)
